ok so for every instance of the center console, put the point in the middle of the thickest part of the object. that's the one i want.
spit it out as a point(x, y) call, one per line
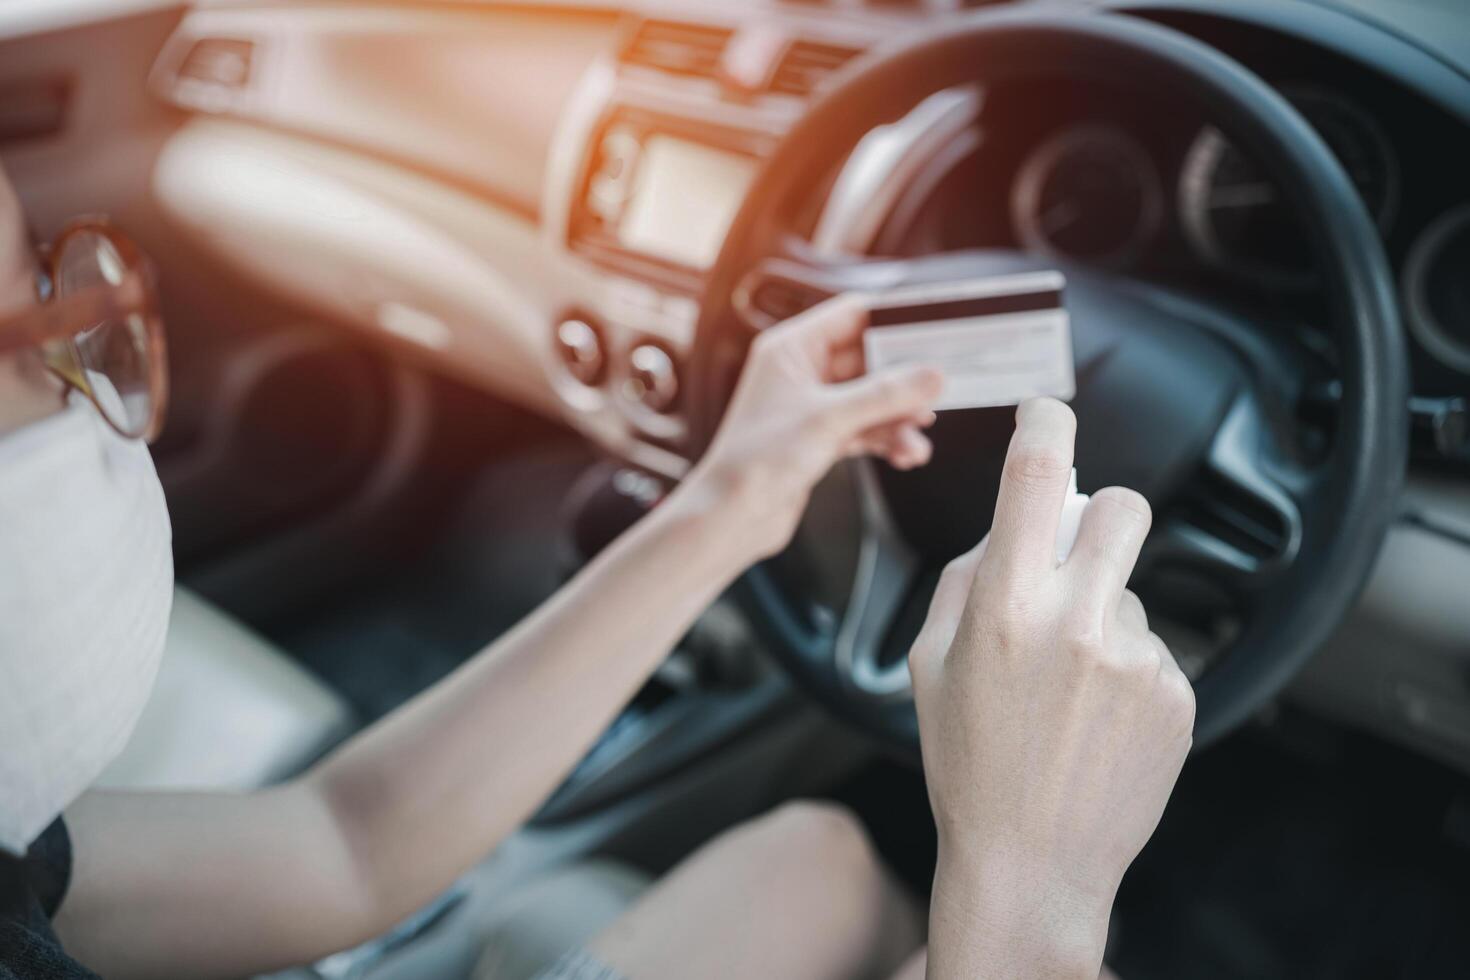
point(652, 160)
point(654, 156)
point(660, 194)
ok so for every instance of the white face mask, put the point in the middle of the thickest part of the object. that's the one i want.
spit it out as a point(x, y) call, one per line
point(86, 585)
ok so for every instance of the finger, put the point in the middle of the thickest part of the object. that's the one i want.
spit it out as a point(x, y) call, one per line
point(885, 396)
point(837, 322)
point(876, 441)
point(1111, 535)
point(1033, 486)
point(1173, 674)
point(949, 599)
point(1131, 612)
point(897, 441)
point(919, 422)
point(902, 445)
point(1167, 660)
point(910, 449)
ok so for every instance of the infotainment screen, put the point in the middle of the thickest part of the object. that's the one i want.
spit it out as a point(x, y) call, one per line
point(683, 199)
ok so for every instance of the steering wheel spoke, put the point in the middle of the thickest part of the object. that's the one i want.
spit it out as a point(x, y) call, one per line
point(887, 569)
point(1240, 521)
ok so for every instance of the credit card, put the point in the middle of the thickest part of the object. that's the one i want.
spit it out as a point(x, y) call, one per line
point(999, 340)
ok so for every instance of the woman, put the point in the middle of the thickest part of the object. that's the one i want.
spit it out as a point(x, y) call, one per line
point(1053, 723)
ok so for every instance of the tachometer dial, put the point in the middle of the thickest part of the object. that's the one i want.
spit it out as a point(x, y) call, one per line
point(1437, 289)
point(1234, 215)
point(1089, 192)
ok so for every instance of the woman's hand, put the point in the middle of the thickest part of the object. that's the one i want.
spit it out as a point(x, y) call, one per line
point(1054, 724)
point(802, 404)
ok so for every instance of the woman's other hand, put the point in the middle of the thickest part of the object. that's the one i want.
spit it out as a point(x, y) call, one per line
point(803, 403)
point(1054, 723)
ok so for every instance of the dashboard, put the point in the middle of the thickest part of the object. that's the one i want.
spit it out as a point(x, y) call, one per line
point(529, 195)
point(633, 132)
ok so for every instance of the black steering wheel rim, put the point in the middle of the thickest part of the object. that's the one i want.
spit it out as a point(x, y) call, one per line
point(1358, 498)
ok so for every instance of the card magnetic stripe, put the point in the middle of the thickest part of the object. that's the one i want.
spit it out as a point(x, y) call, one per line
point(956, 309)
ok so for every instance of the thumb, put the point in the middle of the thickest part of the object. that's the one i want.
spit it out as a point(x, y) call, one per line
point(885, 396)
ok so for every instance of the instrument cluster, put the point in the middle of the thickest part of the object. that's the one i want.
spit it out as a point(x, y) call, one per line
point(1148, 188)
point(1100, 193)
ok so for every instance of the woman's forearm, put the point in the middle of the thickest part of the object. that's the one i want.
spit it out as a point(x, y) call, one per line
point(214, 885)
point(209, 884)
point(432, 788)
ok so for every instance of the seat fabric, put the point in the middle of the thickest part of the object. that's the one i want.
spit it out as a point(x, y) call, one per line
point(228, 711)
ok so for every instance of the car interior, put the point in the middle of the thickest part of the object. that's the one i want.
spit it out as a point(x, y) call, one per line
point(456, 290)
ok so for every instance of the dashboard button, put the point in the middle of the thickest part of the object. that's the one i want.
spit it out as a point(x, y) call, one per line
point(653, 380)
point(580, 347)
point(610, 185)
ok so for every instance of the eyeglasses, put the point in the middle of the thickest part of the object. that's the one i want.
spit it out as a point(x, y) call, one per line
point(98, 328)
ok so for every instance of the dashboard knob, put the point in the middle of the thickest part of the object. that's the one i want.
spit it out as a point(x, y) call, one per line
point(580, 348)
point(653, 380)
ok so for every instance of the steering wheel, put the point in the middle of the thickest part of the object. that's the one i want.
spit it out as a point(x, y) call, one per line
point(1194, 406)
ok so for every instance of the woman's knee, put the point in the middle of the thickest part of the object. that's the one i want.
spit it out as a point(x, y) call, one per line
point(799, 891)
point(816, 833)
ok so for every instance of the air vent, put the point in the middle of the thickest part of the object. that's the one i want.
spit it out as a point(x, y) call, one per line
point(806, 65)
point(678, 48)
point(220, 61)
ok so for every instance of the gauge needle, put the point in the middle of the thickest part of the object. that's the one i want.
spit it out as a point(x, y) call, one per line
point(1243, 195)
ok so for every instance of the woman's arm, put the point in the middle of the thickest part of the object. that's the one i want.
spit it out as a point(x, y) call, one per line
point(203, 885)
point(206, 884)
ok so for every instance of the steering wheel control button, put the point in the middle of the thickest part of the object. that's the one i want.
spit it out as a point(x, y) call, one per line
point(579, 346)
point(653, 380)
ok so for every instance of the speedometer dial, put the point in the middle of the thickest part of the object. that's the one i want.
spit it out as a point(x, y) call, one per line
point(1089, 192)
point(1234, 215)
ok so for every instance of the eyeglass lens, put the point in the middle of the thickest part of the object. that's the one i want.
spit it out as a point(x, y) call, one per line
point(115, 352)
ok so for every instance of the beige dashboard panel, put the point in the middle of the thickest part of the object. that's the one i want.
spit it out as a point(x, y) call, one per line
point(408, 260)
point(1399, 662)
point(469, 95)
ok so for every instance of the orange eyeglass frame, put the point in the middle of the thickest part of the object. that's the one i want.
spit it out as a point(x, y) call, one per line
point(53, 323)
